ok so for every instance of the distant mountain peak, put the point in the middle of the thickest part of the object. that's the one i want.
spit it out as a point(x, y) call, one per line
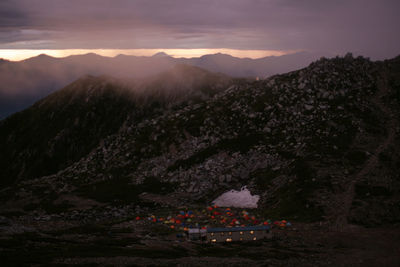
point(43, 55)
point(93, 55)
point(40, 58)
point(161, 54)
point(220, 55)
point(122, 56)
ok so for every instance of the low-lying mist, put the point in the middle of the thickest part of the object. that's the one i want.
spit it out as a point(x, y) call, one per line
point(24, 82)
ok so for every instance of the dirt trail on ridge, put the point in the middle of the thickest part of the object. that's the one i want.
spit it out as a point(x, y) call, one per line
point(347, 197)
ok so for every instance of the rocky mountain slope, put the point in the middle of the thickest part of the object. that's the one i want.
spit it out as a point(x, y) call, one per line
point(65, 126)
point(317, 144)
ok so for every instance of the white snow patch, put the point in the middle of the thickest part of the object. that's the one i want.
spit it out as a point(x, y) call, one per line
point(237, 199)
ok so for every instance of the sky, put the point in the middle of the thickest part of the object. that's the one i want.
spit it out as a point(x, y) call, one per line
point(244, 28)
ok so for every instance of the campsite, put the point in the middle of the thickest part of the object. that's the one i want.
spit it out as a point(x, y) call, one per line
point(129, 241)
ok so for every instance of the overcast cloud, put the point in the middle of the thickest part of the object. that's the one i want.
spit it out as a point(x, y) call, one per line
point(368, 27)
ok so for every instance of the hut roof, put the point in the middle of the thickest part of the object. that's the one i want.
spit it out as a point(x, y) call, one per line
point(237, 229)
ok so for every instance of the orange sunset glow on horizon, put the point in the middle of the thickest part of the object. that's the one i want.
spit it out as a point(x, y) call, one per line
point(21, 54)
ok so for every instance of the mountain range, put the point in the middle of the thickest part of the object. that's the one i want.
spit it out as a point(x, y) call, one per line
point(24, 82)
point(301, 137)
point(92, 172)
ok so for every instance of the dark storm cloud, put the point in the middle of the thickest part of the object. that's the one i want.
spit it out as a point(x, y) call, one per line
point(368, 27)
point(11, 16)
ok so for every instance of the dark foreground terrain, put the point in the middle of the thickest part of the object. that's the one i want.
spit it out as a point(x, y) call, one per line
point(57, 243)
point(320, 146)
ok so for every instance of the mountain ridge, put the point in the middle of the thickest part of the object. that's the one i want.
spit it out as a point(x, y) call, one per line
point(24, 82)
point(96, 99)
point(295, 139)
point(104, 171)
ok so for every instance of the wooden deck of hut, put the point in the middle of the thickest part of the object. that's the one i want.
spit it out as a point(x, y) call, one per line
point(231, 234)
